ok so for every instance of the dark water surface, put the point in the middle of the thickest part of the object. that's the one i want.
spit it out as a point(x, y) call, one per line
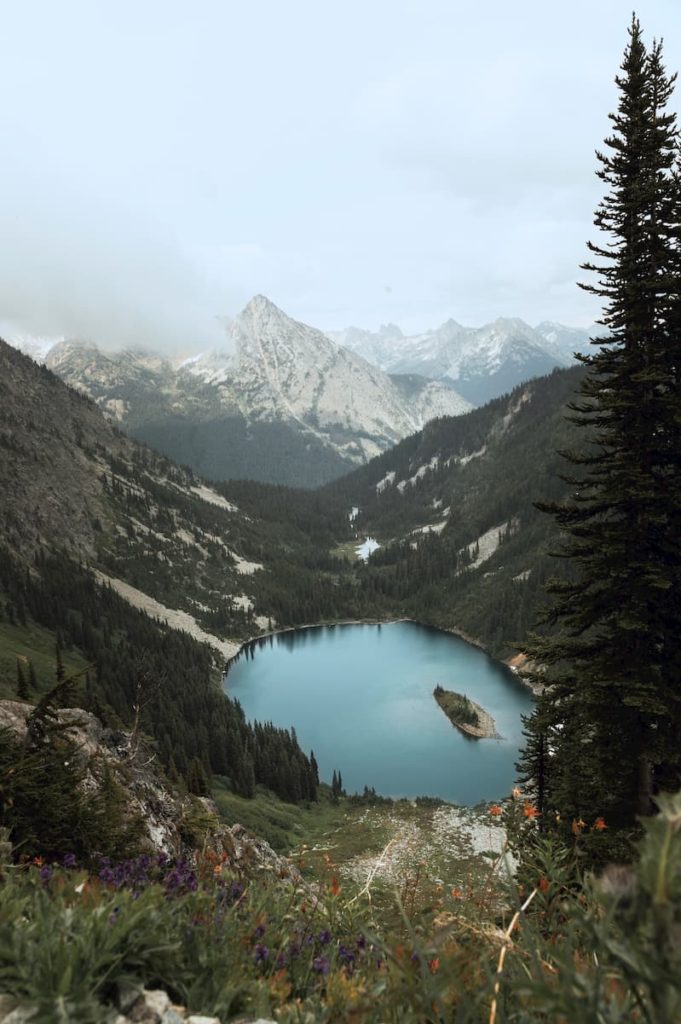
point(361, 696)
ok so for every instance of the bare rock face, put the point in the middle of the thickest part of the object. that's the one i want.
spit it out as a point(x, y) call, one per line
point(272, 370)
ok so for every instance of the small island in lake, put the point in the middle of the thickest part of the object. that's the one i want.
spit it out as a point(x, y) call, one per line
point(466, 715)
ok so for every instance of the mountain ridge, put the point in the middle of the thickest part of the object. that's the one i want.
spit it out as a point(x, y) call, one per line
point(331, 408)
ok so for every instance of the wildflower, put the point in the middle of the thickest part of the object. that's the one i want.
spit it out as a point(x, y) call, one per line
point(345, 955)
point(599, 824)
point(434, 965)
point(530, 811)
point(516, 792)
point(544, 884)
point(45, 873)
point(334, 888)
point(261, 953)
point(457, 894)
point(495, 810)
point(69, 860)
point(236, 891)
point(324, 937)
point(320, 964)
point(577, 826)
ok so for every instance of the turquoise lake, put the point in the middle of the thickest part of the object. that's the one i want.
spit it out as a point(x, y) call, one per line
point(361, 697)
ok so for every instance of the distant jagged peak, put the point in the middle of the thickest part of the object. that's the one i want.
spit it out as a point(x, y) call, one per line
point(262, 327)
point(260, 306)
point(510, 324)
point(390, 330)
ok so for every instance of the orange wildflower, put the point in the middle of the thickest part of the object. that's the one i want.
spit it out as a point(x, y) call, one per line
point(457, 894)
point(434, 965)
point(334, 888)
point(599, 824)
point(577, 826)
point(495, 810)
point(544, 884)
point(530, 811)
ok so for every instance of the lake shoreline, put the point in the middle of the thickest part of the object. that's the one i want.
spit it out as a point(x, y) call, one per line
point(507, 663)
point(343, 689)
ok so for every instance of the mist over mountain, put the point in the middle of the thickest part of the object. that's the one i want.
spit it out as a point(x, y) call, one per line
point(278, 402)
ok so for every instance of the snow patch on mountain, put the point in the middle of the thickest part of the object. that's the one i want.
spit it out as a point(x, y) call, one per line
point(387, 481)
point(486, 544)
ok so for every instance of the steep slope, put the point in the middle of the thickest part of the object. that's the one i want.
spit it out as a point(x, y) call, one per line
point(72, 482)
point(281, 403)
point(143, 573)
point(481, 363)
point(452, 507)
point(285, 370)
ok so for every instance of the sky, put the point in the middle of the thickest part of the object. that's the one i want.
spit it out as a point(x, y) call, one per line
point(357, 162)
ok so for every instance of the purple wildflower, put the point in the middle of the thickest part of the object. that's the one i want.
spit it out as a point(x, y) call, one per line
point(69, 861)
point(261, 953)
point(45, 873)
point(320, 964)
point(324, 937)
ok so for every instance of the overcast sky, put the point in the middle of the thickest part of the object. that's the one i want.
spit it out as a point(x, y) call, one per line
point(357, 162)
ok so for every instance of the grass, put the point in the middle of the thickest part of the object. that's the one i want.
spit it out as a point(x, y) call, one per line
point(347, 550)
point(38, 645)
point(415, 851)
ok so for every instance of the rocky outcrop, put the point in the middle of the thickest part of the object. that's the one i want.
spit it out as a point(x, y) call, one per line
point(170, 819)
point(136, 1005)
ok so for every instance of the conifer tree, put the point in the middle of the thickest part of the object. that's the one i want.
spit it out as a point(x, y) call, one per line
point(22, 685)
point(612, 662)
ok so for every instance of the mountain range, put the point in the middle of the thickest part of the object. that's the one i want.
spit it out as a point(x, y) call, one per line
point(282, 402)
point(480, 362)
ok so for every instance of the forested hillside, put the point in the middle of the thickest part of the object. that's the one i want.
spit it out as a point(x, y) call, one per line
point(462, 543)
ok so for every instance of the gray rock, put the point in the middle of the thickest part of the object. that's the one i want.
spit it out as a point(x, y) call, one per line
point(127, 994)
point(20, 1015)
point(150, 1007)
point(173, 1016)
point(7, 1004)
point(197, 1018)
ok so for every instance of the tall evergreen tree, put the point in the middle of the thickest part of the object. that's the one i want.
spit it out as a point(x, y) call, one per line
point(612, 663)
